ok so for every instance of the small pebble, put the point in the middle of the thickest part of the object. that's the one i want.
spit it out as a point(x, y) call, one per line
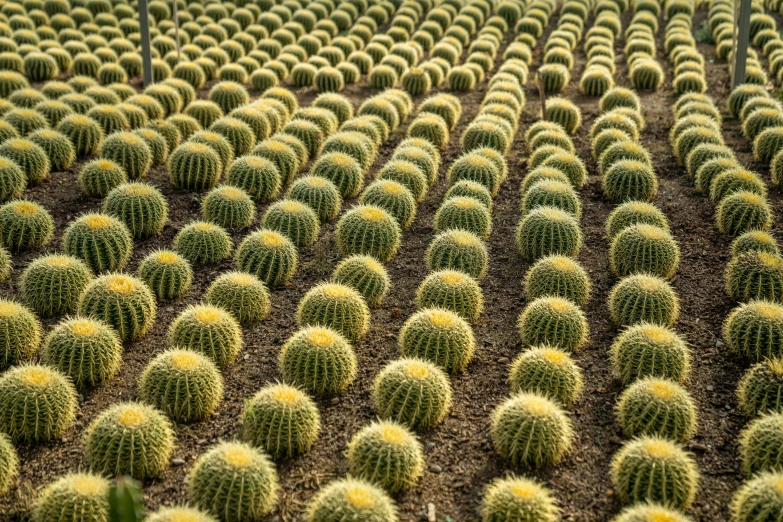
point(177, 462)
point(435, 468)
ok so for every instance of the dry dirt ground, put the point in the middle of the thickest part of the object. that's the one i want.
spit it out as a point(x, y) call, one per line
point(459, 453)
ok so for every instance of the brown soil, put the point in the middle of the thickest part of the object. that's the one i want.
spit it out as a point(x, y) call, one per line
point(459, 453)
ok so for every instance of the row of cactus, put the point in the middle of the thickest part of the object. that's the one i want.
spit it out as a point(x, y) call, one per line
point(763, 29)
point(645, 73)
point(558, 60)
point(598, 76)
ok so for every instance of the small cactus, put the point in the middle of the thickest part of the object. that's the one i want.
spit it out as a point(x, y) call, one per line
point(174, 514)
point(257, 176)
point(103, 242)
point(412, 392)
point(335, 306)
point(628, 180)
point(760, 444)
point(438, 336)
point(166, 273)
point(451, 290)
point(12, 180)
point(743, 211)
point(530, 430)
point(122, 301)
point(755, 275)
point(554, 77)
point(129, 439)
point(194, 166)
point(364, 274)
point(86, 350)
point(233, 482)
point(268, 255)
point(203, 243)
point(755, 330)
point(643, 298)
point(634, 213)
point(552, 193)
point(39, 403)
point(24, 225)
point(546, 231)
point(553, 321)
point(758, 496)
point(761, 388)
point(458, 250)
point(754, 241)
point(430, 127)
point(78, 496)
point(207, 330)
point(318, 359)
point(341, 169)
point(242, 295)
point(58, 148)
point(368, 230)
point(407, 174)
point(518, 499)
point(565, 113)
point(140, 206)
point(386, 454)
point(659, 407)
point(393, 197)
point(549, 372)
point(229, 207)
point(558, 276)
point(319, 194)
point(130, 152)
point(619, 97)
point(648, 350)
point(351, 499)
point(21, 334)
point(31, 158)
point(9, 464)
point(281, 420)
point(51, 284)
point(644, 249)
point(652, 469)
point(649, 512)
point(293, 219)
point(98, 177)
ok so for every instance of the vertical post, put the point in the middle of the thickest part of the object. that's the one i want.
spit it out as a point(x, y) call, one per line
point(146, 53)
point(176, 29)
point(742, 36)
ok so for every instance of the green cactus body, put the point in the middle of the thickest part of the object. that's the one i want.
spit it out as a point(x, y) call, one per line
point(554, 321)
point(237, 133)
point(644, 249)
point(649, 512)
point(755, 330)
point(547, 231)
point(157, 144)
point(360, 146)
point(319, 360)
point(564, 113)
point(26, 120)
point(554, 194)
point(282, 420)
point(317, 193)
point(51, 285)
point(39, 403)
point(365, 275)
point(734, 180)
point(761, 389)
point(741, 212)
point(643, 298)
point(530, 430)
point(634, 213)
point(257, 176)
point(351, 499)
point(293, 219)
point(166, 273)
point(183, 384)
point(129, 439)
point(85, 134)
point(21, 334)
point(758, 497)
point(103, 242)
point(549, 372)
point(476, 168)
point(98, 177)
point(242, 295)
point(430, 127)
point(194, 166)
point(122, 301)
point(711, 169)
point(30, 157)
point(754, 241)
point(9, 464)
point(485, 134)
point(129, 151)
point(412, 392)
point(230, 207)
point(24, 225)
point(229, 95)
point(755, 276)
point(518, 499)
point(268, 255)
point(368, 230)
point(558, 276)
point(463, 213)
point(760, 444)
point(657, 407)
point(175, 514)
point(439, 336)
point(77, 496)
point(203, 243)
point(233, 482)
point(215, 141)
point(208, 330)
point(139, 206)
point(56, 146)
point(386, 454)
point(652, 469)
point(458, 250)
point(335, 306)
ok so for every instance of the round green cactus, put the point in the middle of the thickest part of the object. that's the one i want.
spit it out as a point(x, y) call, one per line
point(122, 301)
point(328, 80)
point(553, 194)
point(166, 273)
point(470, 189)
point(458, 250)
point(9, 464)
point(130, 152)
point(335, 306)
point(203, 243)
point(517, 499)
point(88, 351)
point(393, 197)
point(620, 97)
point(531, 430)
point(760, 445)
point(546, 231)
point(129, 439)
point(219, 145)
point(656, 470)
point(741, 212)
point(407, 174)
point(242, 295)
point(282, 420)
point(644, 249)
point(257, 176)
point(757, 497)
point(81, 496)
point(21, 334)
point(351, 499)
point(657, 407)
point(565, 113)
point(157, 144)
point(24, 225)
point(629, 180)
point(386, 454)
point(364, 274)
point(558, 276)
point(711, 169)
point(194, 166)
point(98, 177)
point(754, 330)
point(596, 81)
point(58, 148)
point(237, 133)
point(648, 350)
point(173, 514)
point(430, 127)
point(453, 291)
point(368, 230)
point(439, 336)
point(233, 481)
point(183, 384)
point(342, 170)
point(317, 193)
point(549, 372)
point(139, 206)
point(755, 275)
point(228, 95)
point(229, 207)
point(31, 158)
point(293, 219)
point(51, 284)
point(754, 241)
point(554, 77)
point(553, 321)
point(649, 512)
point(485, 134)
point(634, 213)
point(207, 330)
point(476, 168)
point(643, 298)
point(761, 388)
point(39, 403)
point(26, 120)
point(735, 180)
point(85, 134)
point(412, 392)
point(103, 242)
point(268, 255)
point(319, 360)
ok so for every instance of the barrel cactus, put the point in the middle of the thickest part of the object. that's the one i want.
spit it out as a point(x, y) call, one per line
point(98, 177)
point(31, 158)
point(21, 334)
point(351, 499)
point(122, 301)
point(130, 152)
point(387, 454)
point(242, 295)
point(368, 230)
point(319, 360)
point(51, 285)
point(458, 250)
point(643, 298)
point(83, 496)
point(140, 206)
point(521, 497)
point(203, 243)
point(758, 495)
point(268, 255)
point(166, 273)
point(318, 193)
point(754, 330)
point(194, 166)
point(761, 388)
point(644, 249)
point(293, 219)
point(649, 512)
point(451, 290)
point(335, 306)
point(438, 336)
point(208, 330)
point(549, 372)
point(659, 407)
point(546, 231)
point(103, 242)
point(558, 276)
point(364, 274)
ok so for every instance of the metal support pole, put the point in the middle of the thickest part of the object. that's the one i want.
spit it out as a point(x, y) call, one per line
point(741, 38)
point(146, 53)
point(176, 29)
